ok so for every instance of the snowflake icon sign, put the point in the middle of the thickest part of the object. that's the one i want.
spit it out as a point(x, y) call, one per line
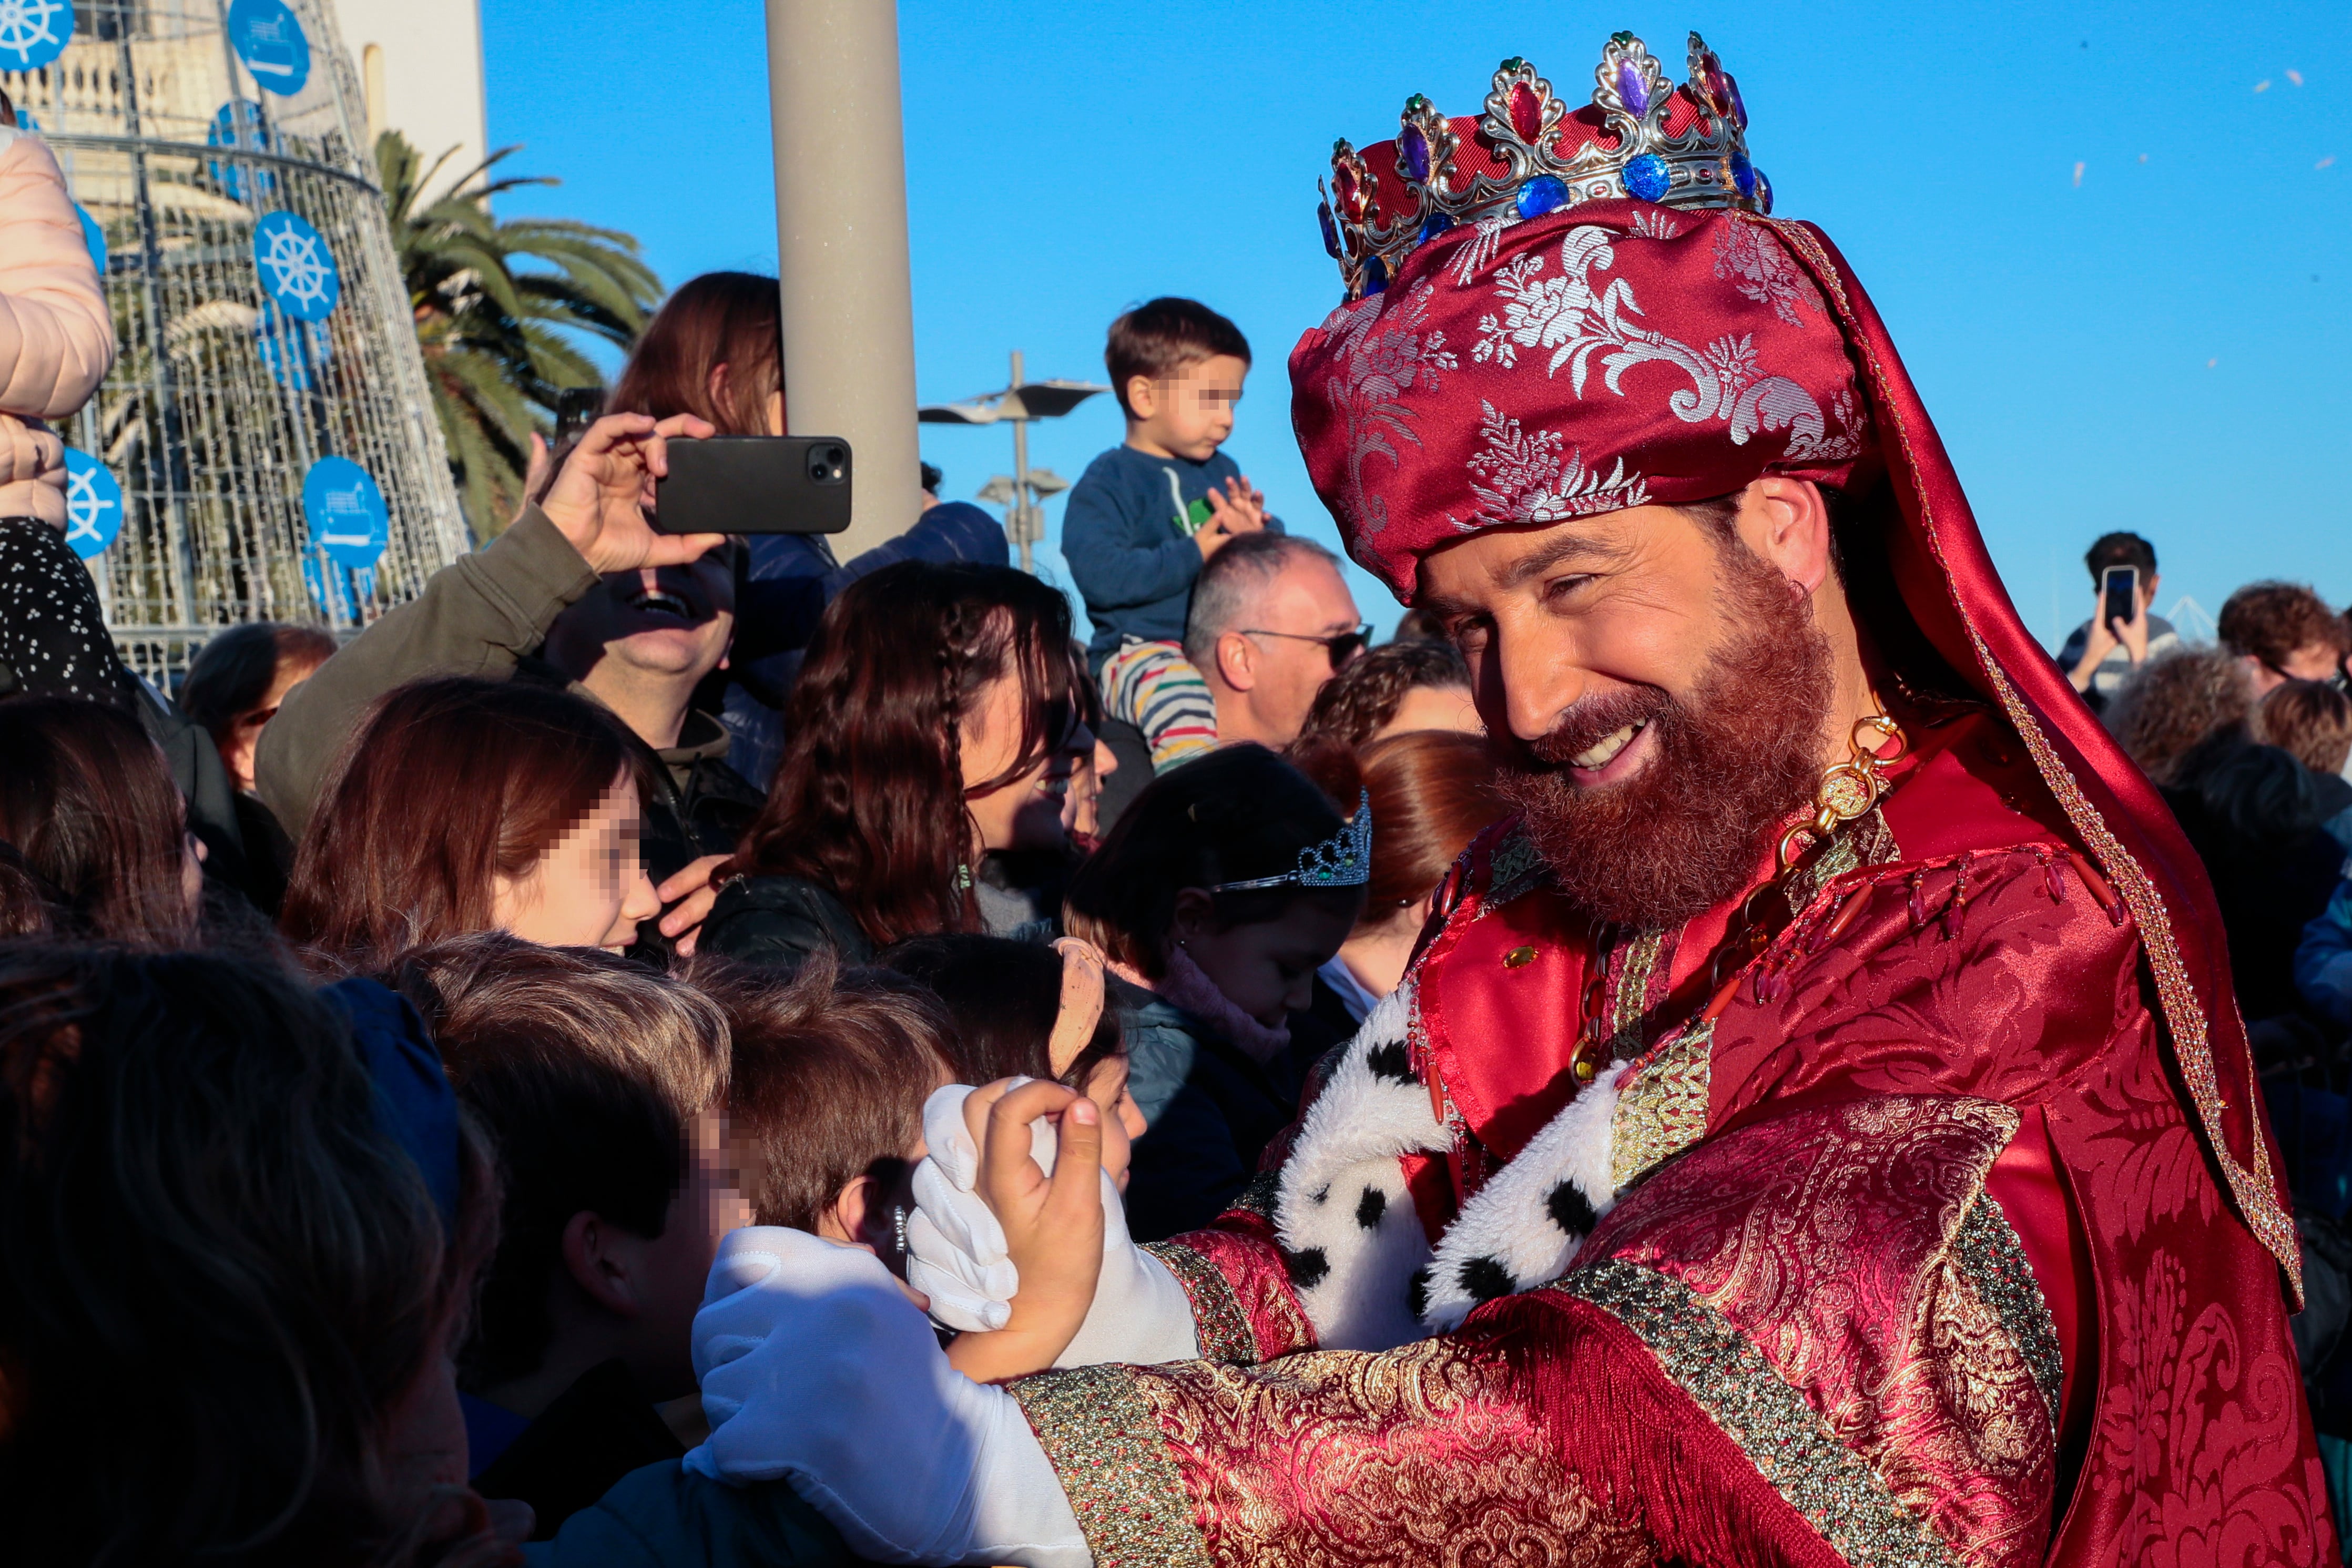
point(298, 271)
point(33, 32)
point(93, 504)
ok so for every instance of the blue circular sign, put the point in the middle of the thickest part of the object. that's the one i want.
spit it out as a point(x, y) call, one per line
point(93, 504)
point(296, 269)
point(94, 236)
point(240, 126)
point(33, 32)
point(346, 512)
point(269, 39)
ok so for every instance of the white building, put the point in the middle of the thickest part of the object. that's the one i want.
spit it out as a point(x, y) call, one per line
point(420, 65)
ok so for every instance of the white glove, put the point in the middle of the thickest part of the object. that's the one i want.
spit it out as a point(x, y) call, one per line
point(1140, 1315)
point(816, 1368)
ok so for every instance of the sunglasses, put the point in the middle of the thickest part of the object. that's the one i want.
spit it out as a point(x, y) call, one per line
point(1342, 648)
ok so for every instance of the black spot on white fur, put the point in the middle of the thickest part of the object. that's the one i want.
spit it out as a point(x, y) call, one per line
point(1484, 1279)
point(1370, 1207)
point(1390, 1061)
point(1416, 1293)
point(1307, 1269)
point(1571, 1210)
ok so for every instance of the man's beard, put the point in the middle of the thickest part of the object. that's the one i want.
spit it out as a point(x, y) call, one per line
point(1726, 766)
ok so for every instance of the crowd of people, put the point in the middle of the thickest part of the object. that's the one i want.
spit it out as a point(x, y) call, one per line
point(394, 1026)
point(478, 972)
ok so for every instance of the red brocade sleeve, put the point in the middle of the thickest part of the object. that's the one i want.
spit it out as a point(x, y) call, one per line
point(1814, 1340)
point(1244, 1307)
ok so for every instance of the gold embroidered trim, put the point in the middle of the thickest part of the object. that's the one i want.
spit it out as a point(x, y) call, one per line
point(1989, 1253)
point(1512, 870)
point(1102, 1436)
point(1728, 1378)
point(1661, 1104)
point(1632, 998)
point(2253, 1190)
point(1222, 1327)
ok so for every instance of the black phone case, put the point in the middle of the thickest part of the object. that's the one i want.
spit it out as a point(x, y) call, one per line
point(755, 484)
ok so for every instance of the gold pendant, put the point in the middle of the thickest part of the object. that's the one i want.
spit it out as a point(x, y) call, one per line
point(1850, 788)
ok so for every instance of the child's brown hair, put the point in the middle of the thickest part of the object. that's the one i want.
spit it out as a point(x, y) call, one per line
point(1160, 337)
point(829, 1077)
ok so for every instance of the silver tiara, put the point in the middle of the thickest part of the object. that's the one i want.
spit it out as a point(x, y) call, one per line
point(1342, 860)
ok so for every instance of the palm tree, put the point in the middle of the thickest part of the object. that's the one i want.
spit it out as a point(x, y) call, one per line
point(500, 344)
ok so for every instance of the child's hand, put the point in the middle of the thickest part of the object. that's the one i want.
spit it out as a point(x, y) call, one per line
point(1232, 512)
point(1245, 504)
point(1053, 1228)
point(1082, 1002)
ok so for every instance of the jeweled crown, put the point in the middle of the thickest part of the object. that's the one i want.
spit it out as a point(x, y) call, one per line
point(1342, 860)
point(1528, 153)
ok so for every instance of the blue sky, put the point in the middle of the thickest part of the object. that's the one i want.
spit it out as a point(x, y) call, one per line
point(2164, 344)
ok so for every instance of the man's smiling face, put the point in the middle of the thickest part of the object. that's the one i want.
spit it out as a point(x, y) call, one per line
point(1660, 689)
point(669, 621)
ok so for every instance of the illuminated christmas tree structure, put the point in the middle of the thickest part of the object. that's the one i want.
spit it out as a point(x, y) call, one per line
point(265, 448)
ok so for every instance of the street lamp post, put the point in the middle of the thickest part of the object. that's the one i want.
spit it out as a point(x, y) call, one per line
point(1019, 491)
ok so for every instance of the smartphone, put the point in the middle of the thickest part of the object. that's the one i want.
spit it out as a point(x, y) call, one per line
point(755, 484)
point(2119, 595)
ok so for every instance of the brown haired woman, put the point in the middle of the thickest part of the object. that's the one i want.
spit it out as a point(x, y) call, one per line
point(463, 806)
point(88, 801)
point(931, 725)
point(715, 350)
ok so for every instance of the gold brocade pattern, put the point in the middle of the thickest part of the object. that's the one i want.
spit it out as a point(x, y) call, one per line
point(1223, 1328)
point(1864, 841)
point(1345, 1459)
point(1661, 1104)
point(1843, 1262)
point(1992, 1264)
point(2253, 1190)
point(1101, 1438)
point(1728, 1377)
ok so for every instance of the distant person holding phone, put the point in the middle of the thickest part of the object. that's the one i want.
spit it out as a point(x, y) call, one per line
point(2122, 632)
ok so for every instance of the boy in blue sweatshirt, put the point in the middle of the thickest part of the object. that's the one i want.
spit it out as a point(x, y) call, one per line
point(1147, 514)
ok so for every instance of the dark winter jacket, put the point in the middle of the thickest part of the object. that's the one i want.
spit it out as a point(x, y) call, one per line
point(1209, 1109)
point(779, 922)
point(667, 1516)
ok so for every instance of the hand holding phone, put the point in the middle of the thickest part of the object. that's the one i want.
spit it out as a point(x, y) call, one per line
point(755, 484)
point(599, 496)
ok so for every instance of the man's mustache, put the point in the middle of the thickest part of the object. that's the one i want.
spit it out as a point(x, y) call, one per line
point(1594, 720)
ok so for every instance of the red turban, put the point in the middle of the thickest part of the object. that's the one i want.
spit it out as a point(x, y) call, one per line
point(1606, 355)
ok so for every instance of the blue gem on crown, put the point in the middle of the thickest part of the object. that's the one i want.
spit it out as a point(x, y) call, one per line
point(1342, 860)
point(1705, 167)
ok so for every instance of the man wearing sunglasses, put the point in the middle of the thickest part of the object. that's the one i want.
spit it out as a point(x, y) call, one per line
point(1270, 622)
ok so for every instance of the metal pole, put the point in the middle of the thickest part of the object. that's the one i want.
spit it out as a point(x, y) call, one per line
point(1023, 521)
point(840, 250)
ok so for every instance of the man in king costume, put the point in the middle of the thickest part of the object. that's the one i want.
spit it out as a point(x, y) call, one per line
point(1817, 1130)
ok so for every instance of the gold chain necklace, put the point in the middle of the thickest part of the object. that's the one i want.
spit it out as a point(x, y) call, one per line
point(1850, 788)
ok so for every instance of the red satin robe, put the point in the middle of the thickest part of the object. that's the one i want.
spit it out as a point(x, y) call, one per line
point(1917, 1255)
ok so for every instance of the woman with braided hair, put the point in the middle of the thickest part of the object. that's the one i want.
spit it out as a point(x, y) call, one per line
point(932, 724)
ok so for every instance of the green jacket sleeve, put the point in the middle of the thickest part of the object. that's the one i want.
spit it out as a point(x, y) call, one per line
point(477, 615)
